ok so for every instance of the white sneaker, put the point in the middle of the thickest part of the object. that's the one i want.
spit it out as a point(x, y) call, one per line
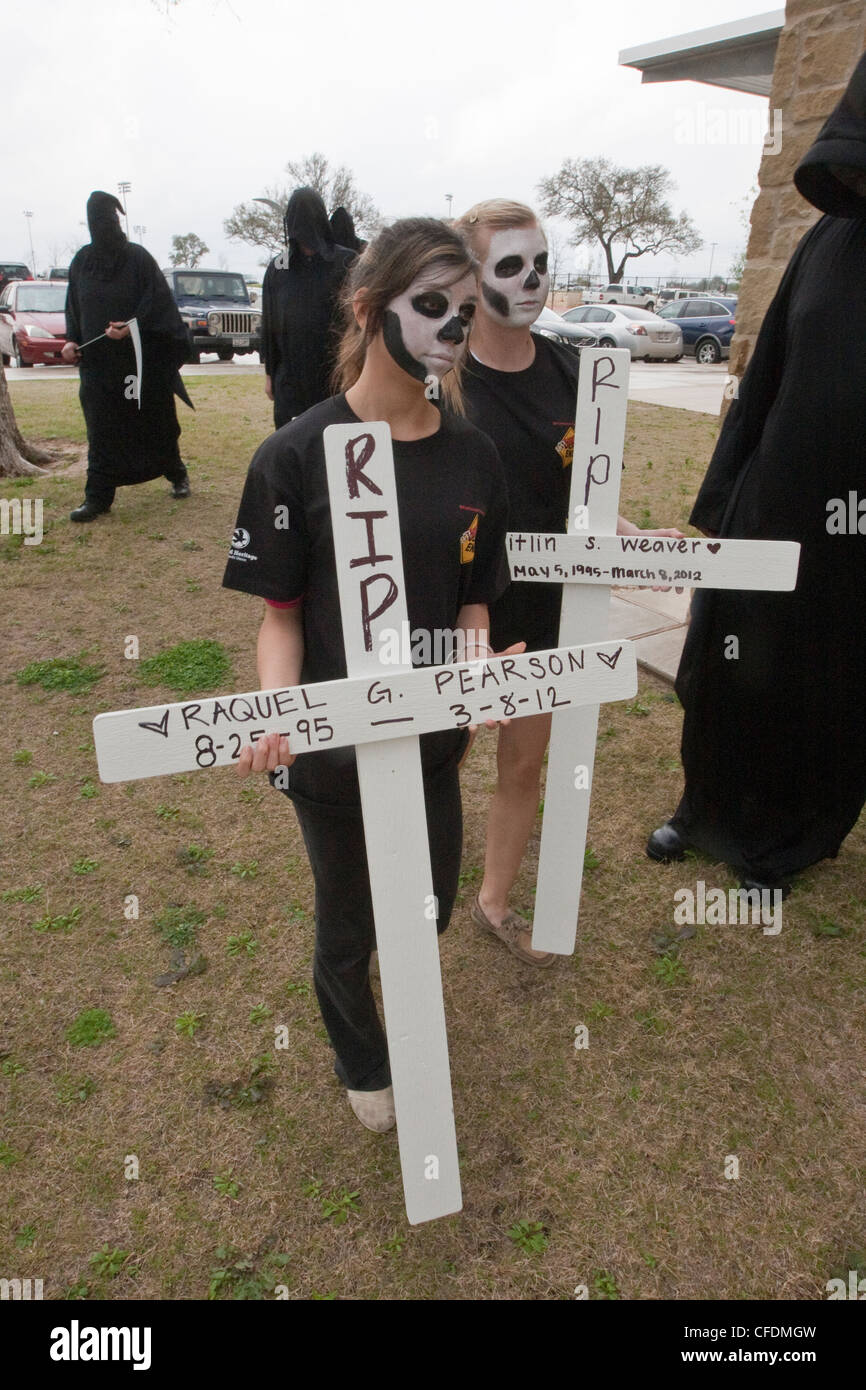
point(375, 1109)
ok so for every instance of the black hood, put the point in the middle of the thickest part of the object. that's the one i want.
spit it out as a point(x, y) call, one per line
point(842, 140)
point(306, 223)
point(107, 238)
point(102, 210)
point(343, 229)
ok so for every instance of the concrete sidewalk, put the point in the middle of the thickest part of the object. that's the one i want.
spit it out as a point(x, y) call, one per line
point(685, 385)
point(656, 623)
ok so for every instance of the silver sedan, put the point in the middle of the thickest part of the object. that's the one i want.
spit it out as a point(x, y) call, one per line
point(646, 335)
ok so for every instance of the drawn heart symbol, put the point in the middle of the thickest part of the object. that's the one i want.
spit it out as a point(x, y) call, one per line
point(160, 728)
point(714, 547)
point(610, 660)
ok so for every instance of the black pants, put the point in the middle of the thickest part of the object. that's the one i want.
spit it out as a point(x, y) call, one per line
point(345, 933)
point(101, 487)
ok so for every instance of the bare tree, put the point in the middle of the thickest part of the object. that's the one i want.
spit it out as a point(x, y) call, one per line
point(745, 204)
point(557, 248)
point(260, 224)
point(57, 254)
point(618, 208)
point(17, 457)
point(187, 250)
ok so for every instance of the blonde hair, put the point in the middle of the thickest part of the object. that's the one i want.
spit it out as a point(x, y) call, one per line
point(494, 215)
point(387, 267)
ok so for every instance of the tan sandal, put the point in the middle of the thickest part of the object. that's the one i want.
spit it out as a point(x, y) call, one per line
point(513, 928)
point(375, 1109)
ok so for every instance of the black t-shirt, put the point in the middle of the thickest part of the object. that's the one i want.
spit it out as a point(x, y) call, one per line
point(529, 415)
point(453, 510)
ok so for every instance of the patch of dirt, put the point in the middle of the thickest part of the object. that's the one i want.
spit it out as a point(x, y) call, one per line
point(68, 457)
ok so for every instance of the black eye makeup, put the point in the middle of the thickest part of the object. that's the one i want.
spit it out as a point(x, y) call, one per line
point(508, 266)
point(540, 263)
point(466, 313)
point(431, 304)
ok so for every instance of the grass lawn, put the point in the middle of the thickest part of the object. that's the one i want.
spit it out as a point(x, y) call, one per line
point(602, 1166)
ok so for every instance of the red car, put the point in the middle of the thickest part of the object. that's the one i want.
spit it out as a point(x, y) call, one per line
point(32, 322)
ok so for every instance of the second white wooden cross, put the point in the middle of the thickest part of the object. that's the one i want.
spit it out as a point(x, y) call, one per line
point(588, 560)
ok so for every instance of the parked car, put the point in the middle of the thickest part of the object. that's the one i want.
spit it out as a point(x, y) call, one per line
point(645, 335)
point(670, 292)
point(707, 324)
point(32, 322)
point(59, 272)
point(254, 290)
point(216, 308)
point(550, 324)
point(638, 296)
point(13, 270)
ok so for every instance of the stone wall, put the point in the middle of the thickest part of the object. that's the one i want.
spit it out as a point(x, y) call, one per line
point(819, 48)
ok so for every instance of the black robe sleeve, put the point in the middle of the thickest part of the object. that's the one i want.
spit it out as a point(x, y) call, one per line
point(270, 320)
point(159, 320)
point(73, 313)
point(156, 310)
point(744, 422)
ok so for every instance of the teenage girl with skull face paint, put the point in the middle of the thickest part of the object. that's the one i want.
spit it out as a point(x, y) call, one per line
point(521, 390)
point(408, 303)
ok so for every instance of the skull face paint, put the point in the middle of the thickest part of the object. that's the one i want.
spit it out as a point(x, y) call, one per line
point(514, 276)
point(425, 328)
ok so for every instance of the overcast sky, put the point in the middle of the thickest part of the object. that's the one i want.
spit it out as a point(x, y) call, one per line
point(199, 104)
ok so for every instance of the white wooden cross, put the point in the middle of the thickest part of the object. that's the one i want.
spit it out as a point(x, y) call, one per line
point(380, 709)
point(588, 560)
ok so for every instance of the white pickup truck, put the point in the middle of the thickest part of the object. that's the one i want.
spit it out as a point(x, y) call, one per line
point(638, 296)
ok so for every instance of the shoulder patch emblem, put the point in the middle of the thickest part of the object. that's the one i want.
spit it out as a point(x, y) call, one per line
point(565, 447)
point(467, 542)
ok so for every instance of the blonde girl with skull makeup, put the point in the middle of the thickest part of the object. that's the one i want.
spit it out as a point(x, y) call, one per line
point(408, 303)
point(520, 388)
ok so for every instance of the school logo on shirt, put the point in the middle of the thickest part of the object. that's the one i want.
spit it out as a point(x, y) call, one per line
point(240, 540)
point(467, 542)
point(565, 447)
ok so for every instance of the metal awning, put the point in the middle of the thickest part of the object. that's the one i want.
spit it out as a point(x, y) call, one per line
point(739, 55)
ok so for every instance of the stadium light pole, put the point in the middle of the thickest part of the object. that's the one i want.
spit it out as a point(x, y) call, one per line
point(123, 189)
point(29, 216)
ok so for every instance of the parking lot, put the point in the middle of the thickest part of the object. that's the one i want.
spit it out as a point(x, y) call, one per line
point(684, 384)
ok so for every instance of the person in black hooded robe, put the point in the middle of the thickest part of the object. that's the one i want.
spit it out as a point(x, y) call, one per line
point(343, 230)
point(110, 281)
point(299, 308)
point(773, 747)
